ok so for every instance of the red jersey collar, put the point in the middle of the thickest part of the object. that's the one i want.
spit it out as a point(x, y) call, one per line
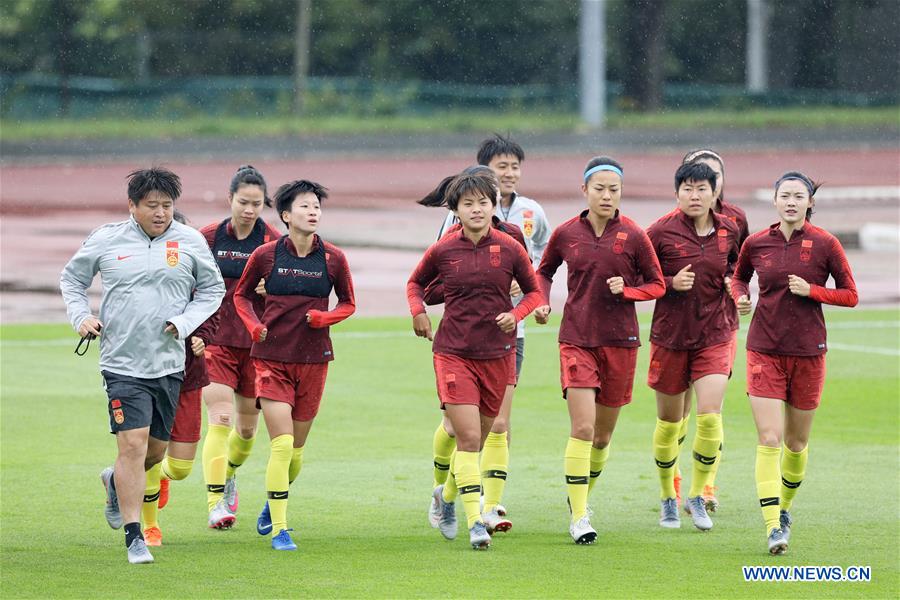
point(774, 229)
point(487, 236)
point(717, 222)
point(584, 216)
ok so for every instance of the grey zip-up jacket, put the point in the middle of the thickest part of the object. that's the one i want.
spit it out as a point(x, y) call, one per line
point(146, 283)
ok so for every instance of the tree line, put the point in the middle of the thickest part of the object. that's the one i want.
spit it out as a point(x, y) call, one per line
point(824, 44)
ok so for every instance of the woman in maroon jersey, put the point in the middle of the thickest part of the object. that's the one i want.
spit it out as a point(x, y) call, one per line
point(231, 389)
point(444, 441)
point(786, 345)
point(474, 350)
point(611, 265)
point(715, 162)
point(291, 341)
point(692, 336)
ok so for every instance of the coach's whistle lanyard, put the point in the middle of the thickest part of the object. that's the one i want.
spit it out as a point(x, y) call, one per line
point(88, 337)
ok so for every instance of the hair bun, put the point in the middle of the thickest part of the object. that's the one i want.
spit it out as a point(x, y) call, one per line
point(246, 168)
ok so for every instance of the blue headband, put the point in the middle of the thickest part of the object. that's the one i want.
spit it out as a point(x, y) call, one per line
point(592, 170)
point(797, 177)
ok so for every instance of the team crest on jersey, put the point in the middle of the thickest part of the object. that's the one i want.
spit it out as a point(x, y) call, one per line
point(528, 227)
point(172, 254)
point(722, 236)
point(495, 256)
point(806, 250)
point(619, 244)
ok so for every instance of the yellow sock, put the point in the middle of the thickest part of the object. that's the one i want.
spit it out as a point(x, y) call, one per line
point(468, 480)
point(577, 470)
point(296, 464)
point(176, 469)
point(665, 452)
point(599, 456)
point(494, 466)
point(768, 482)
point(214, 449)
point(715, 468)
point(238, 451)
point(682, 434)
point(442, 447)
point(150, 507)
point(793, 468)
point(450, 490)
point(277, 480)
point(706, 447)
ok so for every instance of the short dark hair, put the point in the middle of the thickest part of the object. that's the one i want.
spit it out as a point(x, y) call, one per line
point(695, 171)
point(285, 195)
point(497, 145)
point(438, 196)
point(602, 160)
point(464, 184)
point(248, 175)
point(154, 179)
point(812, 186)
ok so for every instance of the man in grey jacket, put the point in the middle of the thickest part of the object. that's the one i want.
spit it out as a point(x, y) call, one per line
point(149, 267)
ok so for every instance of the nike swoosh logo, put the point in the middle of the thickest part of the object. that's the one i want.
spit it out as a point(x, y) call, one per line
point(680, 245)
point(573, 244)
point(124, 257)
point(455, 262)
point(765, 256)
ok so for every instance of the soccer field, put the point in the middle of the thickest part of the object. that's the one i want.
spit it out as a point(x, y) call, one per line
point(359, 505)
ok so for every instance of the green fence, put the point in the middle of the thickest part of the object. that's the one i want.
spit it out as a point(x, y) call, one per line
point(36, 97)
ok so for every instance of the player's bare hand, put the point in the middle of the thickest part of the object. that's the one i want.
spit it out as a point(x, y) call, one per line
point(261, 287)
point(91, 325)
point(197, 346)
point(616, 285)
point(728, 285)
point(683, 280)
point(422, 326)
point(506, 322)
point(514, 289)
point(171, 329)
point(798, 285)
point(743, 305)
point(542, 314)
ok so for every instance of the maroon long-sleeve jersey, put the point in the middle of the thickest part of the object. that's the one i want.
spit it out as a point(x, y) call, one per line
point(295, 286)
point(476, 279)
point(593, 315)
point(785, 323)
point(434, 291)
point(737, 216)
point(195, 372)
point(698, 317)
point(231, 256)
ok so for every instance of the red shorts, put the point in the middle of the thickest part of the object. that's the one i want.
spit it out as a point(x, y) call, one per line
point(298, 384)
point(186, 428)
point(471, 381)
point(673, 371)
point(734, 346)
point(607, 369)
point(232, 367)
point(798, 380)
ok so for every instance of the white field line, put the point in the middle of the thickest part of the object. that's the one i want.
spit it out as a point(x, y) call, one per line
point(532, 330)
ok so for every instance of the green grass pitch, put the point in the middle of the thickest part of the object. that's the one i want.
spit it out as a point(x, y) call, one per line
point(359, 506)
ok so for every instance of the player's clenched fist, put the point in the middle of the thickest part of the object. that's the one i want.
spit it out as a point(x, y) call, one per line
point(683, 279)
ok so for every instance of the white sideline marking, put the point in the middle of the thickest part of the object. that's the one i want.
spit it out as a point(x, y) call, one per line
point(533, 330)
